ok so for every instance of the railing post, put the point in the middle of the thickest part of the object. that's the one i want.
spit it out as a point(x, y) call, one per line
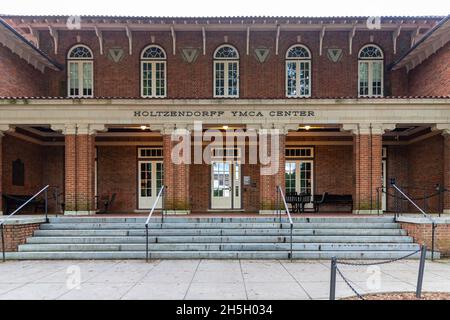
point(146, 243)
point(3, 243)
point(378, 200)
point(440, 191)
point(46, 204)
point(425, 206)
point(433, 234)
point(333, 279)
point(56, 200)
point(292, 230)
point(423, 253)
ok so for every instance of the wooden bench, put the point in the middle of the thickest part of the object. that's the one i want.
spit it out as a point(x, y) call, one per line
point(13, 201)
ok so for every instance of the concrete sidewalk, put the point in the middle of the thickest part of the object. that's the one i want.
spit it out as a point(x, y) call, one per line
point(207, 279)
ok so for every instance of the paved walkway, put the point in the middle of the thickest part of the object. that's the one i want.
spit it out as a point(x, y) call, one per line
point(206, 279)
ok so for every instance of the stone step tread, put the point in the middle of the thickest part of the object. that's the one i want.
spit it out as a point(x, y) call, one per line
point(220, 247)
point(221, 219)
point(215, 239)
point(350, 255)
point(261, 232)
point(82, 226)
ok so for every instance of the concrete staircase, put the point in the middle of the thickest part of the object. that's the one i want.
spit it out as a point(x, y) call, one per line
point(217, 238)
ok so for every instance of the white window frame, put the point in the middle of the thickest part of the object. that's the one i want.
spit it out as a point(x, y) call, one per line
point(79, 63)
point(298, 62)
point(141, 156)
point(310, 149)
point(227, 62)
point(153, 62)
point(370, 62)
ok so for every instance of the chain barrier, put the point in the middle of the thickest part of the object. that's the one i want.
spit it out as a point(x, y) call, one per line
point(349, 285)
point(335, 269)
point(378, 263)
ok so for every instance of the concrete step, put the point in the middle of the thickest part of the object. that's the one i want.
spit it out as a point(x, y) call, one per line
point(224, 232)
point(113, 255)
point(219, 239)
point(261, 219)
point(81, 226)
point(221, 247)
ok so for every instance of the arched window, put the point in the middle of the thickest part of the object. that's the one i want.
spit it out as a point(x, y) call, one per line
point(370, 71)
point(226, 72)
point(153, 72)
point(298, 71)
point(80, 75)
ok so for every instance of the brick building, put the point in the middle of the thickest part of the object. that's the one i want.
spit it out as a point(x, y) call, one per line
point(90, 104)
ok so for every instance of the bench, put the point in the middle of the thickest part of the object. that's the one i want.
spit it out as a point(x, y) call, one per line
point(336, 199)
point(13, 201)
point(298, 201)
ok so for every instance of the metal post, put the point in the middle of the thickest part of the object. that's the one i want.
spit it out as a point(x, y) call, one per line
point(425, 207)
point(56, 200)
point(433, 231)
point(423, 252)
point(46, 204)
point(3, 244)
point(162, 209)
point(146, 246)
point(333, 279)
point(440, 209)
point(378, 200)
point(292, 230)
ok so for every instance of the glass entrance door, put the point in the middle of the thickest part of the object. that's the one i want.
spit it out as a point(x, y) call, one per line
point(150, 182)
point(225, 185)
point(299, 176)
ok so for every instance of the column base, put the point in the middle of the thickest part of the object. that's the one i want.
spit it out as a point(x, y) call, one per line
point(178, 212)
point(1, 212)
point(446, 211)
point(271, 212)
point(373, 211)
point(79, 213)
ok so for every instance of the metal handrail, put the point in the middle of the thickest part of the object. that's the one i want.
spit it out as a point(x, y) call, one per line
point(289, 217)
point(160, 195)
point(433, 223)
point(2, 222)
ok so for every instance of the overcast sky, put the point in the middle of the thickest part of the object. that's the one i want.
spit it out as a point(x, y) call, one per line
point(227, 7)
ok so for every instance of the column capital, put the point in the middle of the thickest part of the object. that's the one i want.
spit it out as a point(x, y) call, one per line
point(4, 128)
point(90, 129)
point(283, 128)
point(368, 128)
point(165, 129)
point(445, 127)
point(65, 129)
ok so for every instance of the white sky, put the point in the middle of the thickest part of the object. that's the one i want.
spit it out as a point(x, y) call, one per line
point(227, 7)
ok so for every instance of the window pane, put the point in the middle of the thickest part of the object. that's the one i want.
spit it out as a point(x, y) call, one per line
point(376, 78)
point(304, 78)
point(87, 79)
point(291, 73)
point(160, 79)
point(220, 79)
point(147, 78)
point(73, 79)
point(232, 79)
point(363, 78)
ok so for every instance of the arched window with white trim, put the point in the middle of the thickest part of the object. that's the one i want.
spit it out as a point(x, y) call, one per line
point(153, 72)
point(298, 71)
point(370, 71)
point(226, 72)
point(80, 75)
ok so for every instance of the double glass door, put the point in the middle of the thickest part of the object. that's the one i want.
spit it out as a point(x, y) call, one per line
point(225, 185)
point(150, 183)
point(300, 176)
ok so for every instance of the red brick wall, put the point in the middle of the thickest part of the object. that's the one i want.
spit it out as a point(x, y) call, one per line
point(422, 233)
point(18, 78)
point(432, 77)
point(117, 172)
point(31, 156)
point(196, 80)
point(16, 235)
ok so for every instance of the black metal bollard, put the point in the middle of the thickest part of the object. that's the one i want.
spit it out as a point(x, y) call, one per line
point(423, 253)
point(333, 279)
point(3, 244)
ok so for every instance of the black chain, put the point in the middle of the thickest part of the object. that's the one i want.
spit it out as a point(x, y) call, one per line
point(349, 285)
point(378, 263)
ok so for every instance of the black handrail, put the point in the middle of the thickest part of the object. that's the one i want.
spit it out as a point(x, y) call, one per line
point(2, 222)
point(433, 223)
point(280, 192)
point(160, 195)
